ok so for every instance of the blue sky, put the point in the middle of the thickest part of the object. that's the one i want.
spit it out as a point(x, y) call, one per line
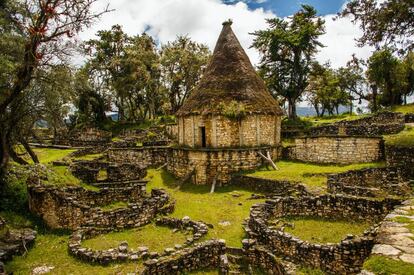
point(288, 7)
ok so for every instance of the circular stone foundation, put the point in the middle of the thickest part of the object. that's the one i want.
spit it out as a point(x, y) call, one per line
point(123, 253)
point(347, 256)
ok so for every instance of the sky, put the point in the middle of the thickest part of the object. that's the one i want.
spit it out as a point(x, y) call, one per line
point(201, 20)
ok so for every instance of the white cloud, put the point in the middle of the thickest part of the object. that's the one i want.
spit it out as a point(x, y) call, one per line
point(201, 20)
point(340, 43)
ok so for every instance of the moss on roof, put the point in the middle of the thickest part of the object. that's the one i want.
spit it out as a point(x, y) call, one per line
point(229, 77)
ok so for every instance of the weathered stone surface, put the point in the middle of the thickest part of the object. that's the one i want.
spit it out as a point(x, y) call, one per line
point(345, 257)
point(394, 239)
point(336, 149)
point(74, 207)
point(371, 182)
point(386, 250)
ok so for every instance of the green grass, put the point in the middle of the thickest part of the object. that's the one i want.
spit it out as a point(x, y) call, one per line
point(51, 249)
point(402, 139)
point(381, 265)
point(409, 108)
point(90, 157)
point(45, 155)
point(318, 121)
point(323, 230)
point(48, 155)
point(156, 238)
point(114, 205)
point(309, 271)
point(193, 201)
point(60, 175)
point(197, 203)
point(311, 175)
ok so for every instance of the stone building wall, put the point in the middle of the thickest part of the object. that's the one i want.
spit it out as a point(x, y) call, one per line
point(253, 130)
point(202, 255)
point(340, 149)
point(146, 156)
point(217, 164)
point(172, 131)
point(74, 207)
point(371, 182)
point(207, 164)
point(84, 137)
point(400, 156)
point(345, 257)
point(268, 186)
point(88, 171)
point(383, 123)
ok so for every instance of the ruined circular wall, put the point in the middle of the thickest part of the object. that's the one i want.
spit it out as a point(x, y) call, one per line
point(345, 257)
point(221, 132)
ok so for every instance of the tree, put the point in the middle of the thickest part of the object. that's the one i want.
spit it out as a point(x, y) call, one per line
point(183, 62)
point(41, 33)
point(90, 104)
point(352, 81)
point(390, 22)
point(383, 71)
point(407, 76)
point(141, 78)
point(104, 63)
point(288, 47)
point(324, 90)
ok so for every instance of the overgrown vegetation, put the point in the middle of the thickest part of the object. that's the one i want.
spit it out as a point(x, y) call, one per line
point(385, 266)
point(402, 139)
point(324, 230)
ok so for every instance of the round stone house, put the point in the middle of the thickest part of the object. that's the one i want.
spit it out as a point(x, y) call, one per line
point(231, 107)
point(228, 121)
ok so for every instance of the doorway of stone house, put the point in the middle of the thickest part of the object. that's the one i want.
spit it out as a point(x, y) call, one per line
point(203, 137)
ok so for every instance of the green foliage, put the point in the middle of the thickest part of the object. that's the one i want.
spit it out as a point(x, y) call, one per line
point(381, 265)
point(402, 139)
point(323, 230)
point(325, 91)
point(233, 110)
point(383, 70)
point(182, 64)
point(288, 47)
point(387, 22)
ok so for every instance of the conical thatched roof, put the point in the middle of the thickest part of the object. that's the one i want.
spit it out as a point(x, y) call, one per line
point(229, 78)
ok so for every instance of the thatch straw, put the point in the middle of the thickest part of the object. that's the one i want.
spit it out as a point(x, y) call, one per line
point(229, 77)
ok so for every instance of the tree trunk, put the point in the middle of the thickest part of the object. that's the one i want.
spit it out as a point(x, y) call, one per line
point(16, 157)
point(374, 98)
point(30, 151)
point(291, 108)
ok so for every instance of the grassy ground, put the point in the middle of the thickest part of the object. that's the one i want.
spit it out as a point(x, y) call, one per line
point(409, 108)
point(322, 230)
point(156, 238)
point(227, 204)
point(114, 205)
point(381, 265)
point(311, 175)
point(402, 139)
point(90, 157)
point(47, 155)
point(193, 201)
point(318, 121)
